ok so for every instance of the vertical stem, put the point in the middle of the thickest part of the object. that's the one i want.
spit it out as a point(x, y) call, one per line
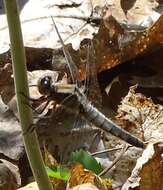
point(21, 87)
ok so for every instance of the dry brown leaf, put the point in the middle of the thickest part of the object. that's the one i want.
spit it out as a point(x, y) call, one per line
point(138, 111)
point(80, 176)
point(148, 172)
point(140, 115)
point(38, 29)
point(134, 13)
point(116, 42)
point(115, 45)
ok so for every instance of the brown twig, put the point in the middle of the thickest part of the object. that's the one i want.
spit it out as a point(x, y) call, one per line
point(124, 148)
point(109, 150)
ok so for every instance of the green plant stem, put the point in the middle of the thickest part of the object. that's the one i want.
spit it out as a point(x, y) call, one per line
point(21, 86)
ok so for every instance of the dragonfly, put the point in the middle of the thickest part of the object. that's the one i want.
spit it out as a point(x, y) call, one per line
point(88, 110)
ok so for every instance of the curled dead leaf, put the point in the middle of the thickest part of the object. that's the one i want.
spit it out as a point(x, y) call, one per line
point(80, 176)
point(116, 45)
point(139, 112)
point(148, 172)
point(141, 115)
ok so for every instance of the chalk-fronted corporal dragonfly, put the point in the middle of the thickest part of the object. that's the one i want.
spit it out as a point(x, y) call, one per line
point(90, 113)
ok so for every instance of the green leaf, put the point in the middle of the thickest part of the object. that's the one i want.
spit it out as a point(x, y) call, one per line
point(58, 172)
point(88, 161)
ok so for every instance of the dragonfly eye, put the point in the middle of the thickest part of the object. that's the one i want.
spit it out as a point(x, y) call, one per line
point(44, 85)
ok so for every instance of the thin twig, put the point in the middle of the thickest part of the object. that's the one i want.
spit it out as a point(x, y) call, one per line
point(90, 19)
point(109, 150)
point(124, 148)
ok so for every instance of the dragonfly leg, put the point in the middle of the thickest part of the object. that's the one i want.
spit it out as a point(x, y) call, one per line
point(36, 110)
point(40, 111)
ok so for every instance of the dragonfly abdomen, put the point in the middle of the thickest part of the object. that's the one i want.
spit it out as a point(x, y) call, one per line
point(93, 115)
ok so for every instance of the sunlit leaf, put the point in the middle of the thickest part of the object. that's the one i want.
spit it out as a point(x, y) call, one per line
point(88, 161)
point(58, 172)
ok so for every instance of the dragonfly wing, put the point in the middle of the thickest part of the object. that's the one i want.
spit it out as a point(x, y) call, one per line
point(71, 65)
point(74, 75)
point(92, 84)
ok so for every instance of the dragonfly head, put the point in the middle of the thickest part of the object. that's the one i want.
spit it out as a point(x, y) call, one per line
point(45, 85)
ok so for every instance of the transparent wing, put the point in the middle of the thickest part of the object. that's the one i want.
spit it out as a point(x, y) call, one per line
point(91, 73)
point(78, 121)
point(92, 84)
point(72, 67)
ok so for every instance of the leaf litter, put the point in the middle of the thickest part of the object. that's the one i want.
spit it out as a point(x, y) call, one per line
point(138, 112)
point(131, 32)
